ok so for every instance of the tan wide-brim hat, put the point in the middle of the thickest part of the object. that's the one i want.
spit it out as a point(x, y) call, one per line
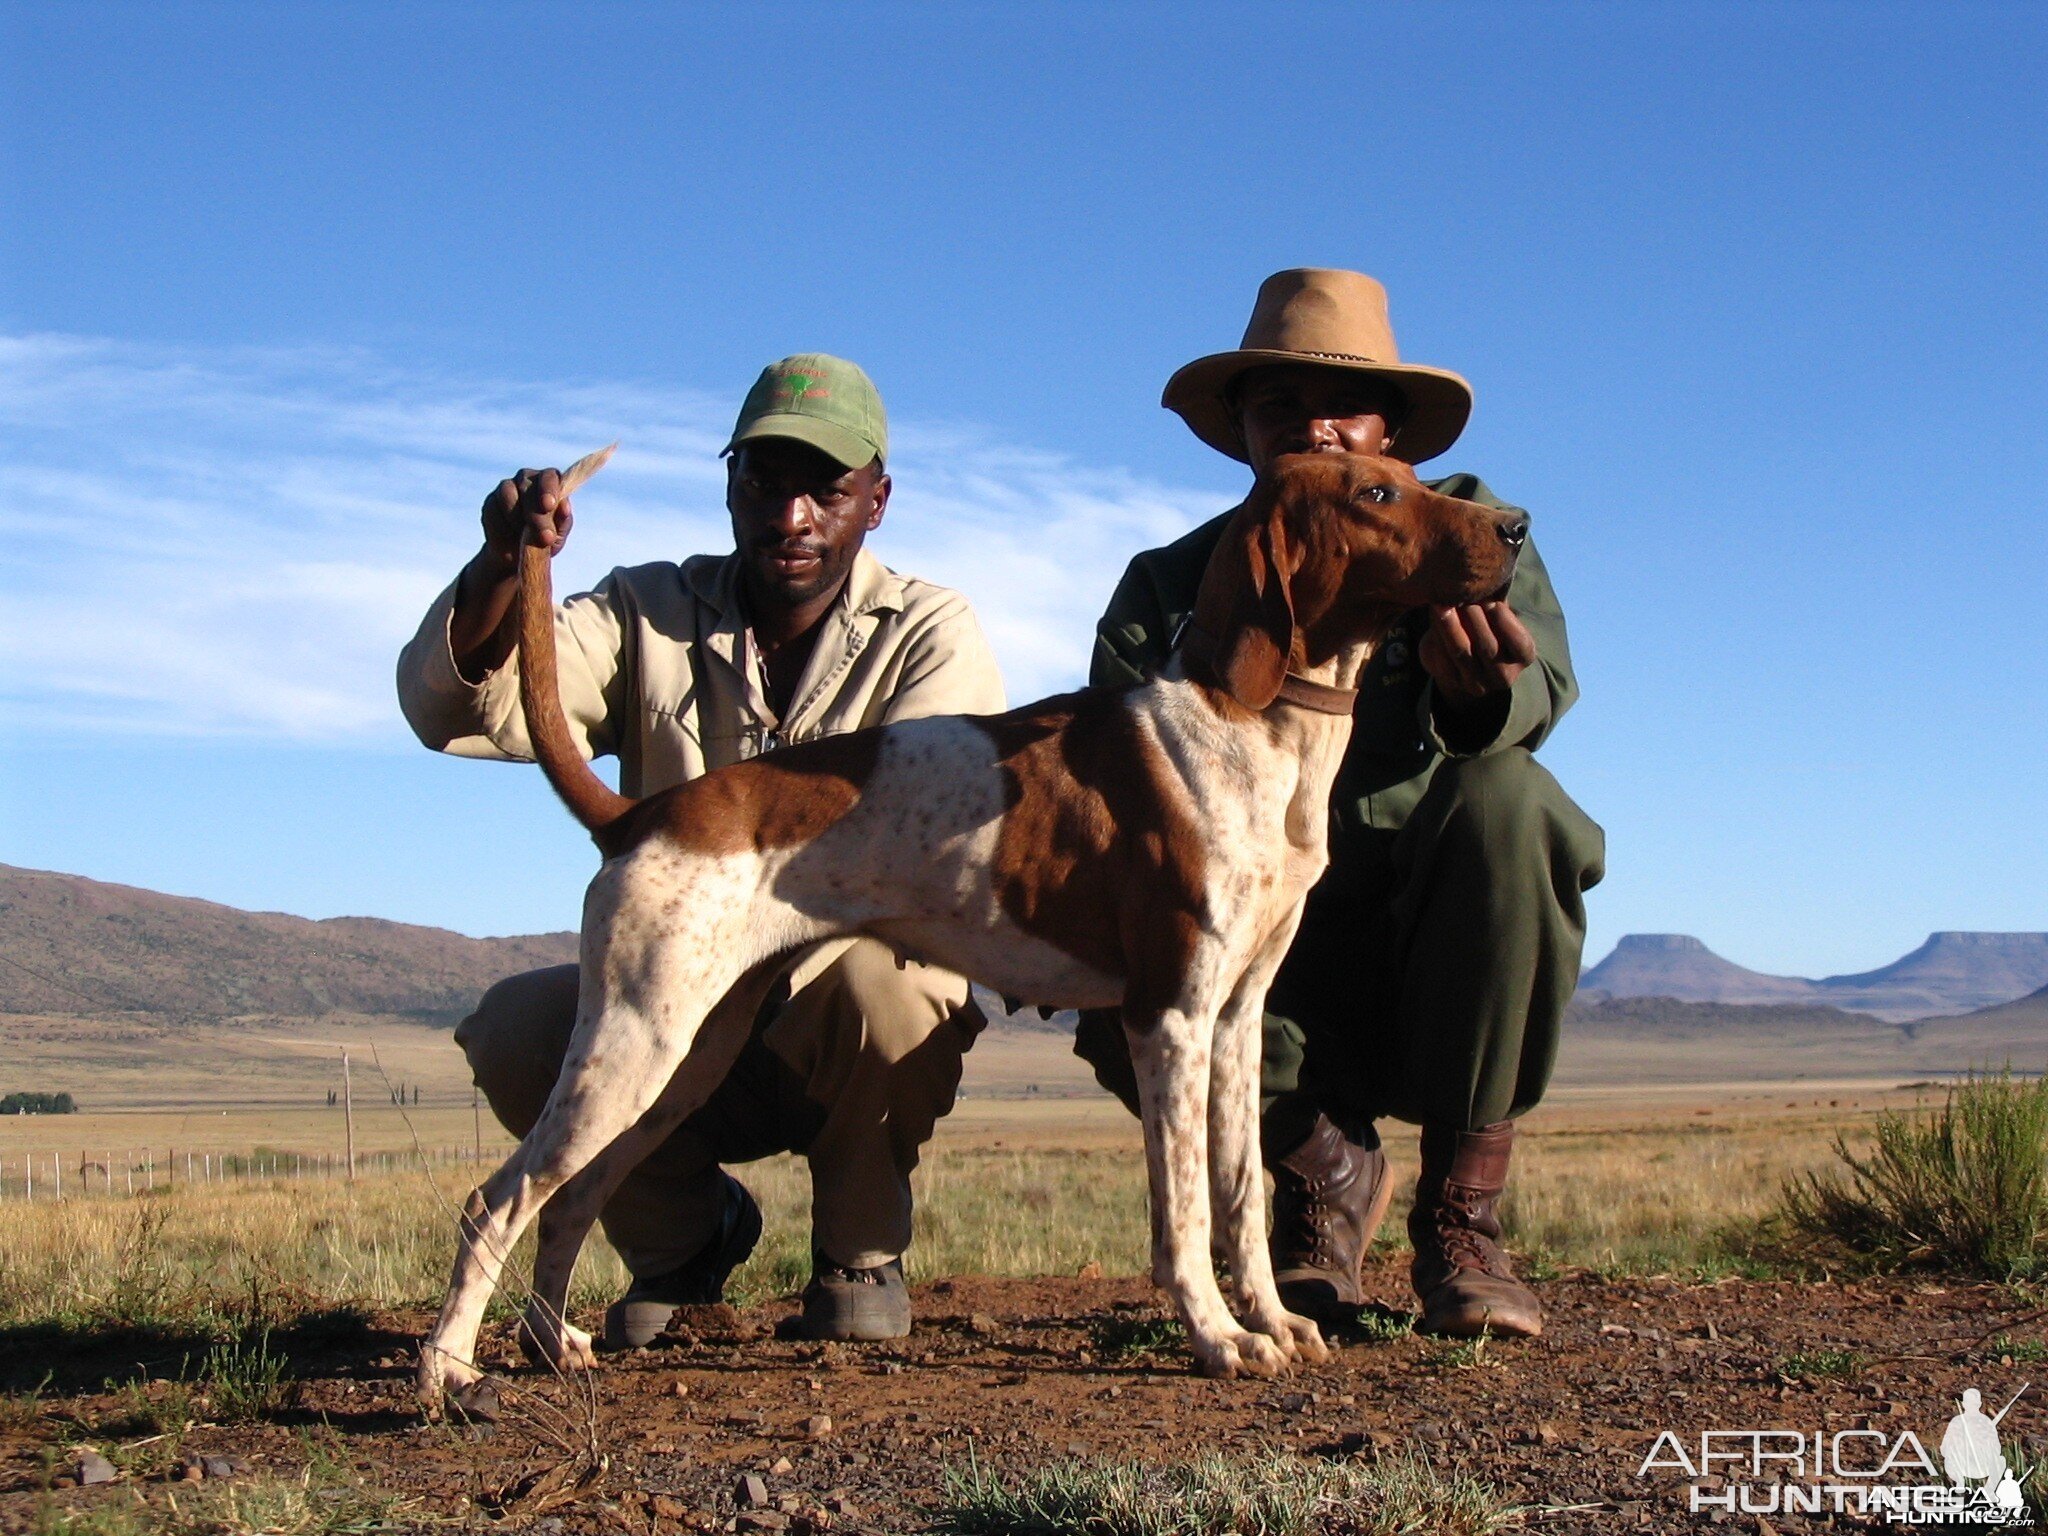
point(1334, 319)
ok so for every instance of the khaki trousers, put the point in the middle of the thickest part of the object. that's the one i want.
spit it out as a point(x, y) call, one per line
point(852, 1068)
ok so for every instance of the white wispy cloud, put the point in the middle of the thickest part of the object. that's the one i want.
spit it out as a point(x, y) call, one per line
point(237, 541)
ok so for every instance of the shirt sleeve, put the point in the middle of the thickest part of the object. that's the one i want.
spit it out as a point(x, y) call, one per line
point(1131, 637)
point(484, 719)
point(1531, 708)
point(948, 670)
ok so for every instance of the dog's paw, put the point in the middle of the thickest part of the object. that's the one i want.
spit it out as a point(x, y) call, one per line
point(555, 1344)
point(1301, 1338)
point(579, 1350)
point(440, 1376)
point(1239, 1350)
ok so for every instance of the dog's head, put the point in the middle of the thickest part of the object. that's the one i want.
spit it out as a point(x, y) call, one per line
point(1329, 550)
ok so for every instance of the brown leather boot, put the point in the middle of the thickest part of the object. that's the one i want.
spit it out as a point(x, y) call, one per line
point(1461, 1274)
point(1329, 1196)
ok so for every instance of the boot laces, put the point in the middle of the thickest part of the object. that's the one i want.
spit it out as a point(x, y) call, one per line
point(1308, 1233)
point(1463, 1244)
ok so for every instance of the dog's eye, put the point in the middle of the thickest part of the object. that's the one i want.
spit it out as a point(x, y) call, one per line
point(1383, 494)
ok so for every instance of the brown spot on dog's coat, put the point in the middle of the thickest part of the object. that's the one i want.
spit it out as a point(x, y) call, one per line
point(1099, 854)
point(777, 801)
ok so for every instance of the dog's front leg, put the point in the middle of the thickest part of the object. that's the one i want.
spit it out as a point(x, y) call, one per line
point(1238, 1183)
point(1171, 1052)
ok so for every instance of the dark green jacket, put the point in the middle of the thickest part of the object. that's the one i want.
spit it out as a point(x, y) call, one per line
point(1401, 731)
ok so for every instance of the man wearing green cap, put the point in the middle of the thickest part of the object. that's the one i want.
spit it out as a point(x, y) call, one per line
point(678, 669)
point(1435, 958)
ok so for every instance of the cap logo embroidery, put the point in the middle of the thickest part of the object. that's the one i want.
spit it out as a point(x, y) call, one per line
point(796, 387)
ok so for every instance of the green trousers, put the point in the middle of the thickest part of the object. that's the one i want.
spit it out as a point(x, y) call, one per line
point(1433, 965)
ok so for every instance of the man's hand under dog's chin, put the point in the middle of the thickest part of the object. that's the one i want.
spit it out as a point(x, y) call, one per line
point(1475, 651)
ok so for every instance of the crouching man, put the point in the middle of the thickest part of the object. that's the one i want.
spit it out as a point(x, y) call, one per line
point(1434, 960)
point(799, 632)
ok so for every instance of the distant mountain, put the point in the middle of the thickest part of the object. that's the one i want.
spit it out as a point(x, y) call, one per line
point(1644, 1040)
point(1949, 974)
point(2016, 1031)
point(1678, 965)
point(69, 945)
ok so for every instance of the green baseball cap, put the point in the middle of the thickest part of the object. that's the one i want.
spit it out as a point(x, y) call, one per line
point(817, 399)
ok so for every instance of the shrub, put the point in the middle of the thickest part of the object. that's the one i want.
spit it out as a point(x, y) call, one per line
point(38, 1104)
point(243, 1380)
point(1964, 1188)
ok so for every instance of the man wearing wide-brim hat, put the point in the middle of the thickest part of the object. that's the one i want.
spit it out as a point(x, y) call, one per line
point(1434, 960)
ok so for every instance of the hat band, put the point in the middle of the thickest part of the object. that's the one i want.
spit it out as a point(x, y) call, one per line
point(1341, 357)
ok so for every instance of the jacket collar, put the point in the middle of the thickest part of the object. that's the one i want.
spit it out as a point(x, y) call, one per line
point(871, 587)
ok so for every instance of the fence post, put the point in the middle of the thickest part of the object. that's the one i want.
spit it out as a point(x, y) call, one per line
point(348, 1111)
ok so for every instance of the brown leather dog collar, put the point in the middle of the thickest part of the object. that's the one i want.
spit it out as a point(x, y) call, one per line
point(1199, 646)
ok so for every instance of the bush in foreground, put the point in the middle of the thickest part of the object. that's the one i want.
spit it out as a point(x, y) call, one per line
point(1269, 1493)
point(1963, 1189)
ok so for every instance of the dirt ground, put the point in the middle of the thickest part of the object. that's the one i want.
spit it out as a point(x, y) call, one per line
point(1018, 1373)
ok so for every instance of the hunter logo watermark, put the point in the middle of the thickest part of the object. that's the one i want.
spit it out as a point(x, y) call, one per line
point(1867, 1472)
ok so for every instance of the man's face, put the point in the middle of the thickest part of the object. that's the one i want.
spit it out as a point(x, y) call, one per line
point(1300, 408)
point(799, 518)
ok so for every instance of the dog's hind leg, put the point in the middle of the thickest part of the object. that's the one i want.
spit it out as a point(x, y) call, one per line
point(1171, 1053)
point(545, 1333)
point(621, 1058)
point(1237, 1180)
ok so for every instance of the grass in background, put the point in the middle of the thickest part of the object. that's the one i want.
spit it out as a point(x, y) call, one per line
point(1964, 1188)
point(224, 1261)
point(227, 1260)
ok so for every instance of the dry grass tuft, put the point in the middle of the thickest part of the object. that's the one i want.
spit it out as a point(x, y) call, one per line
point(1269, 1493)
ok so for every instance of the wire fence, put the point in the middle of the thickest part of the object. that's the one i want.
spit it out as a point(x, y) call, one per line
point(122, 1173)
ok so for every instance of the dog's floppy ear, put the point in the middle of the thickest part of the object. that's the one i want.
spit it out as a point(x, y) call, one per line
point(1246, 604)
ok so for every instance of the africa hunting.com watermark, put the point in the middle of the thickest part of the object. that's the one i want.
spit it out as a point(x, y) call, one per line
point(1851, 1471)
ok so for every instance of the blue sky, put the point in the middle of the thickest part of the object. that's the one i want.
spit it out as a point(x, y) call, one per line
point(1751, 297)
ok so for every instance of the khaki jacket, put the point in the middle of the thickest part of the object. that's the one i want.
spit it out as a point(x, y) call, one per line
point(658, 670)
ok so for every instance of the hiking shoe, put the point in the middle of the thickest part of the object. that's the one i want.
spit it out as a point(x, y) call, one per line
point(1329, 1196)
point(846, 1303)
point(641, 1315)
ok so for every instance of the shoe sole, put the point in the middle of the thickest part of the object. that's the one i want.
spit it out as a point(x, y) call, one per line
point(636, 1324)
point(862, 1319)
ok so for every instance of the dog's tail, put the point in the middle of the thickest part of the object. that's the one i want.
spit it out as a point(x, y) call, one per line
point(590, 800)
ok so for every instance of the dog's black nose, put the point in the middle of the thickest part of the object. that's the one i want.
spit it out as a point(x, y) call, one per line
point(1513, 531)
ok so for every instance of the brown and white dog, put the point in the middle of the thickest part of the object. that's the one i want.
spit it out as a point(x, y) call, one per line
point(1146, 849)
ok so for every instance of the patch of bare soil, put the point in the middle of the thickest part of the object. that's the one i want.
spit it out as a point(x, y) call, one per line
point(729, 1427)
